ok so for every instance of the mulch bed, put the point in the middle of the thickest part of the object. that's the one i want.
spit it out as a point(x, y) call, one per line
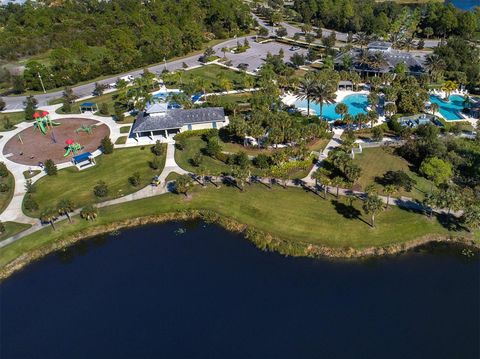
point(38, 148)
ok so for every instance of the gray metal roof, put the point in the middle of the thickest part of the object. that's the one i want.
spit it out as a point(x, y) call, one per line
point(176, 118)
point(393, 57)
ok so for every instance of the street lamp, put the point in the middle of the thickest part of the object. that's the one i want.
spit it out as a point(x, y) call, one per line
point(41, 82)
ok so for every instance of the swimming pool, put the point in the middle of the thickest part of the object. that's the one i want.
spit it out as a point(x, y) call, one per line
point(450, 109)
point(356, 104)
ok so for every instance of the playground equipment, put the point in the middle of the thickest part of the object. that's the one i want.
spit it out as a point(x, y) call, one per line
point(72, 147)
point(43, 121)
point(85, 128)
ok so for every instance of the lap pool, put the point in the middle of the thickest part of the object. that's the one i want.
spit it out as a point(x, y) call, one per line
point(356, 103)
point(451, 109)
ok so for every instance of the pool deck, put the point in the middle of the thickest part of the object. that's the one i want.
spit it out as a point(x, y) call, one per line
point(289, 98)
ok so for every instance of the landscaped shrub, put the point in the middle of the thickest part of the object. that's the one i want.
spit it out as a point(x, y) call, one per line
point(101, 189)
point(30, 204)
point(134, 179)
point(197, 159)
point(89, 213)
point(155, 163)
point(192, 133)
point(4, 187)
point(3, 170)
point(50, 168)
point(2, 227)
point(104, 109)
point(7, 125)
point(107, 145)
point(158, 149)
point(262, 161)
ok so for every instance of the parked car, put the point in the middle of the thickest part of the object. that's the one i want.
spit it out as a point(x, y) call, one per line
point(294, 48)
point(243, 66)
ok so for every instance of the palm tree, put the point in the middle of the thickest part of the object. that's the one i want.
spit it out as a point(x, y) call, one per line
point(348, 119)
point(362, 39)
point(467, 101)
point(89, 212)
point(471, 216)
point(49, 215)
point(389, 190)
point(337, 182)
point(64, 207)
point(435, 66)
point(372, 205)
point(306, 90)
point(341, 109)
point(430, 201)
point(434, 108)
point(373, 117)
point(377, 61)
point(390, 108)
point(361, 119)
point(355, 78)
point(324, 92)
point(409, 43)
point(224, 50)
point(449, 87)
point(183, 184)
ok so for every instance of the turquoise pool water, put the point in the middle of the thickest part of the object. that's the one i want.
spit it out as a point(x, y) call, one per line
point(450, 109)
point(356, 104)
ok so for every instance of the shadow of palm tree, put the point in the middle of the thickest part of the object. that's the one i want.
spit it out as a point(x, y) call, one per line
point(348, 212)
point(450, 222)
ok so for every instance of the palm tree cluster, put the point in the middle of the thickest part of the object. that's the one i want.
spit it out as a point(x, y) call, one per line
point(319, 87)
point(373, 61)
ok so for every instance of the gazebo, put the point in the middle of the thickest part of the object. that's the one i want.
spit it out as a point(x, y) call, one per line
point(345, 85)
point(88, 107)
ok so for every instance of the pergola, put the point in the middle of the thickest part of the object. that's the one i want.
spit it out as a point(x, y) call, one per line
point(88, 107)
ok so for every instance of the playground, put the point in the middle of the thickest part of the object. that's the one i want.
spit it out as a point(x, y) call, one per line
point(58, 140)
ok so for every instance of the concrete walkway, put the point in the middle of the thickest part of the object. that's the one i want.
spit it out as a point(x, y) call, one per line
point(335, 142)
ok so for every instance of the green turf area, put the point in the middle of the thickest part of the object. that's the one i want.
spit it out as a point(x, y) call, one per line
point(6, 197)
point(319, 145)
point(376, 161)
point(306, 219)
point(10, 117)
point(105, 98)
point(114, 169)
point(233, 147)
point(125, 129)
point(121, 140)
point(212, 74)
point(231, 99)
point(30, 174)
point(194, 145)
point(12, 228)
point(172, 176)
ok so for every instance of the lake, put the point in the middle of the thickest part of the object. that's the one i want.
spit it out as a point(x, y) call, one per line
point(465, 4)
point(151, 292)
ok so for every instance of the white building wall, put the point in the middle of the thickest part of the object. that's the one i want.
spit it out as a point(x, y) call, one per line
point(206, 125)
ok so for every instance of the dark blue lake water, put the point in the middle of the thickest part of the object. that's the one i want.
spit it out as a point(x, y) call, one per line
point(465, 4)
point(149, 293)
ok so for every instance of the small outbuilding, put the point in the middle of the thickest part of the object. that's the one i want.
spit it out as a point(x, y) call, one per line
point(88, 107)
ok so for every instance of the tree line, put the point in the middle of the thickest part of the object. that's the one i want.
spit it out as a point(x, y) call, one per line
point(86, 39)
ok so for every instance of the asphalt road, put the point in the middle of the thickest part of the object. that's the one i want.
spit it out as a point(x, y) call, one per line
point(254, 57)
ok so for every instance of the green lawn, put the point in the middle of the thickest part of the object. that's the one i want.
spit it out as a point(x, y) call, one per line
point(376, 161)
point(194, 145)
point(231, 99)
point(121, 140)
point(33, 173)
point(114, 169)
point(211, 74)
point(12, 117)
point(105, 98)
point(12, 228)
point(125, 129)
point(307, 219)
point(6, 197)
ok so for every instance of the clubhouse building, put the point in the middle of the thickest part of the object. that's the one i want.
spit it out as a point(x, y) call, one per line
point(158, 122)
point(391, 57)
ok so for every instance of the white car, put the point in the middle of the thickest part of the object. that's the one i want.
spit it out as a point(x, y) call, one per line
point(294, 48)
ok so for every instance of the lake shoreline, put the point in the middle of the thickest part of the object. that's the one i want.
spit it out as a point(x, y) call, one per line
point(260, 239)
